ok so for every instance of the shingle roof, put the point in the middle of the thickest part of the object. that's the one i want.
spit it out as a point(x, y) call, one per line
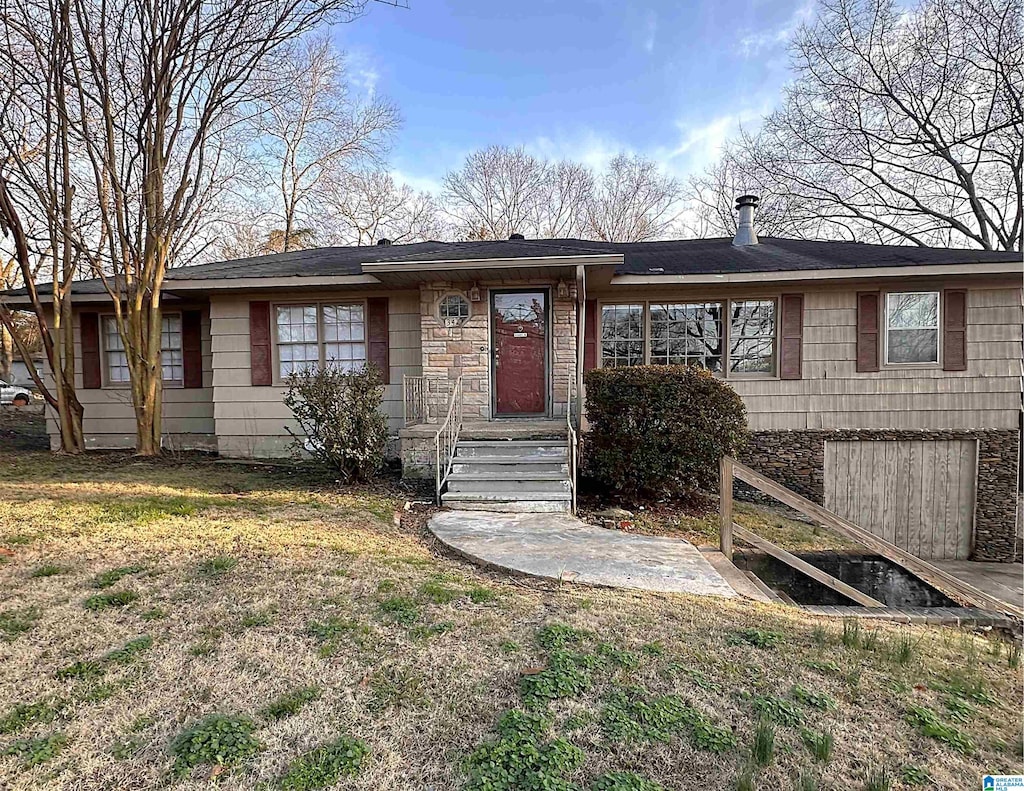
point(678, 257)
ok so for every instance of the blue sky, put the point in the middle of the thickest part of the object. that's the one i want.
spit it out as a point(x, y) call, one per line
point(583, 80)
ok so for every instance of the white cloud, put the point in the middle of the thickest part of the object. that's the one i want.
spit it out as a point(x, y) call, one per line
point(753, 43)
point(701, 143)
point(361, 71)
point(417, 182)
point(587, 147)
point(650, 31)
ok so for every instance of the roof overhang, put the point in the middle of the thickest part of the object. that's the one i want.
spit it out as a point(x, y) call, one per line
point(858, 273)
point(290, 281)
point(492, 263)
point(600, 267)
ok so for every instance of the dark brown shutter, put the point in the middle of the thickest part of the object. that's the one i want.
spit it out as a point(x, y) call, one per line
point(791, 356)
point(192, 347)
point(261, 363)
point(590, 330)
point(954, 330)
point(377, 343)
point(92, 372)
point(868, 307)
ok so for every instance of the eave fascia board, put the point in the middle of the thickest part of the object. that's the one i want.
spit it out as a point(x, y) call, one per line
point(492, 263)
point(289, 281)
point(932, 270)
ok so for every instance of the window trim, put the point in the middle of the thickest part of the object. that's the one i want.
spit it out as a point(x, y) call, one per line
point(937, 362)
point(278, 380)
point(107, 384)
point(726, 302)
point(453, 293)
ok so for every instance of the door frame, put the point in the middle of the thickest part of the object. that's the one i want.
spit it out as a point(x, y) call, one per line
point(493, 353)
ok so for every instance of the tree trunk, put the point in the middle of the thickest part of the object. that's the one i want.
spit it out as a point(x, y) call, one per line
point(62, 365)
point(6, 354)
point(147, 384)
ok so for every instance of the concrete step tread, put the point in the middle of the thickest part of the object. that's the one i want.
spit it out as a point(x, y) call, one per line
point(509, 475)
point(528, 459)
point(505, 496)
point(513, 443)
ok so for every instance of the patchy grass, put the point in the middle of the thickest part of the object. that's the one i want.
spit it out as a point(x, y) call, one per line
point(339, 639)
point(697, 522)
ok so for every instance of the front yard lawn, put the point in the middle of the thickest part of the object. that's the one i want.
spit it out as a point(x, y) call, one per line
point(176, 624)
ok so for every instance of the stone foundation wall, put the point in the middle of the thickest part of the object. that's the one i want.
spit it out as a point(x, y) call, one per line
point(796, 459)
point(417, 453)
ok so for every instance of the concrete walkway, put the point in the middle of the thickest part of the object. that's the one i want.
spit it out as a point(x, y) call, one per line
point(560, 547)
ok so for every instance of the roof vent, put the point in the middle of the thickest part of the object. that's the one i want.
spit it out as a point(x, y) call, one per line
point(383, 242)
point(745, 233)
point(516, 236)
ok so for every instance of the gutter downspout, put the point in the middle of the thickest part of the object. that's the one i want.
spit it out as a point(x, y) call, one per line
point(581, 334)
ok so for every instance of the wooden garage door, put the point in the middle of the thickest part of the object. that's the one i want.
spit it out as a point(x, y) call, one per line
point(917, 495)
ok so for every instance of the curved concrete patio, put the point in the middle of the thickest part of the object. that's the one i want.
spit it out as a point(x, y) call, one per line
point(560, 547)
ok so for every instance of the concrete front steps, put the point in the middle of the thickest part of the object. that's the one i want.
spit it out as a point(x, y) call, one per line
point(516, 475)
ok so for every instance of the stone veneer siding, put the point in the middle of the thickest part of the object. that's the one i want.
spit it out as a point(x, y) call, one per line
point(796, 459)
point(465, 351)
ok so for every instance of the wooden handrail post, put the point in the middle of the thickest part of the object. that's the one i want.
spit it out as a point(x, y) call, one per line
point(725, 506)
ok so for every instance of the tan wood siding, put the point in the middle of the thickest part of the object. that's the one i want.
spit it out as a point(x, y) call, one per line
point(917, 494)
point(109, 420)
point(833, 394)
point(253, 421)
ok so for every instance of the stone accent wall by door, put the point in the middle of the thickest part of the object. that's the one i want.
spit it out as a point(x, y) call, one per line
point(796, 459)
point(449, 352)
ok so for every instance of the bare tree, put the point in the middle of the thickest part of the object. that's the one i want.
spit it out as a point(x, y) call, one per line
point(632, 201)
point(710, 202)
point(149, 92)
point(499, 191)
point(313, 128)
point(366, 206)
point(904, 126)
point(38, 211)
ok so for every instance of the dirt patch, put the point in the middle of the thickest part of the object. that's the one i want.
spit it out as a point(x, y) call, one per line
point(23, 428)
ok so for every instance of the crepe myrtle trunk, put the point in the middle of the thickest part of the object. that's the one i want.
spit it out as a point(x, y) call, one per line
point(142, 326)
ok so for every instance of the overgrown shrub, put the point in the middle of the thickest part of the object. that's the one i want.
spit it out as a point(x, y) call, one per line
point(341, 424)
point(660, 429)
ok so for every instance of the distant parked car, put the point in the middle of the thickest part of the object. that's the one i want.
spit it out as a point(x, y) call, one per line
point(14, 394)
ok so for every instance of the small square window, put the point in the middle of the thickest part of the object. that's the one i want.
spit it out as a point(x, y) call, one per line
point(912, 327)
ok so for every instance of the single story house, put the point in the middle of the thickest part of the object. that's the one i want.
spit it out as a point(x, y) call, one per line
point(883, 381)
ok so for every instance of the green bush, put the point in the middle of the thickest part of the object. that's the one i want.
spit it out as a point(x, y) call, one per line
point(660, 429)
point(341, 424)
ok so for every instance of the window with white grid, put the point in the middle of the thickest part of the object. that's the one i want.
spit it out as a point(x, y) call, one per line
point(622, 335)
point(113, 349)
point(752, 336)
point(298, 341)
point(170, 349)
point(687, 334)
point(344, 337)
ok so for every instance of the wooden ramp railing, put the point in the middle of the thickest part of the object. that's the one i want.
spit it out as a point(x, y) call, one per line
point(955, 588)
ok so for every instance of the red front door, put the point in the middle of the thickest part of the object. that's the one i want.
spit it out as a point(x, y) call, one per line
point(520, 352)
